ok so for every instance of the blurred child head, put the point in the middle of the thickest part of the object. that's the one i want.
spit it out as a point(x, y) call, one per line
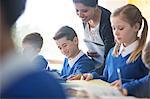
point(67, 41)
point(126, 23)
point(146, 55)
point(32, 44)
point(10, 10)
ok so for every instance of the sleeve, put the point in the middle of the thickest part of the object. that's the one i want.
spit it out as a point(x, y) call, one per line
point(62, 73)
point(40, 62)
point(86, 66)
point(95, 73)
point(107, 37)
point(139, 88)
point(105, 74)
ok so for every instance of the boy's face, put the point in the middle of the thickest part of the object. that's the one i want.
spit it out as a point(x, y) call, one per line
point(29, 50)
point(67, 47)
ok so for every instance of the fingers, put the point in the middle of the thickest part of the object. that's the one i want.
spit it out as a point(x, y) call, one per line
point(124, 92)
point(84, 76)
point(116, 83)
point(87, 77)
point(75, 77)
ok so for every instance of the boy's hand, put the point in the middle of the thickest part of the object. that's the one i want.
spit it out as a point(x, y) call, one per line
point(87, 76)
point(75, 77)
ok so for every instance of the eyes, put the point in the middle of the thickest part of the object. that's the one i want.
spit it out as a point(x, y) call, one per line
point(63, 46)
point(81, 11)
point(118, 28)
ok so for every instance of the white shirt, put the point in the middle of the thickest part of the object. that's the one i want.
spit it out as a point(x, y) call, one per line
point(93, 34)
point(124, 51)
point(72, 61)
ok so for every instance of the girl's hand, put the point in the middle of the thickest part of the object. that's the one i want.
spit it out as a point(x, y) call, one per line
point(117, 84)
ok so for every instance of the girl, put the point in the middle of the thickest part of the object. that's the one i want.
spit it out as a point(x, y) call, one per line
point(140, 87)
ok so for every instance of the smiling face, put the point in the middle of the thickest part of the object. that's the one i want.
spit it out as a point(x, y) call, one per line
point(84, 12)
point(123, 31)
point(67, 47)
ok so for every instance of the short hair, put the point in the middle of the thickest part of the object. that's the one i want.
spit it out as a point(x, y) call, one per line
point(65, 31)
point(35, 39)
point(12, 10)
point(90, 3)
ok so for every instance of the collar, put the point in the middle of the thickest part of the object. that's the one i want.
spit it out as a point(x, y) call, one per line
point(71, 62)
point(124, 51)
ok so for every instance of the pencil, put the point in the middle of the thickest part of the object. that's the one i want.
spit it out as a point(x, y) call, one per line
point(119, 75)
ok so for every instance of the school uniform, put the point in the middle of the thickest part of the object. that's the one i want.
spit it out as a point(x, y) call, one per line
point(129, 71)
point(40, 62)
point(139, 88)
point(80, 64)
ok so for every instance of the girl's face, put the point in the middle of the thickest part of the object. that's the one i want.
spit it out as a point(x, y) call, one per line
point(123, 32)
point(67, 47)
point(84, 12)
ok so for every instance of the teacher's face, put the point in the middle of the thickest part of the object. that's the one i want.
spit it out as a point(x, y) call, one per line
point(84, 12)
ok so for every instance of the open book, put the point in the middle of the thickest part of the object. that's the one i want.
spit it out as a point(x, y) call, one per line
point(94, 89)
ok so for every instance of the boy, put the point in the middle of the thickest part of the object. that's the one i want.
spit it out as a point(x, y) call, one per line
point(76, 62)
point(32, 44)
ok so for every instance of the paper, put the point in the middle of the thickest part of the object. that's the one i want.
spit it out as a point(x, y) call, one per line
point(90, 89)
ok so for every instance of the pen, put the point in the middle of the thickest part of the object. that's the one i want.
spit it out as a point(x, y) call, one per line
point(119, 75)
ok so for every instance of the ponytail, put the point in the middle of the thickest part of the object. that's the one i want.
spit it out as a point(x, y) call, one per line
point(142, 41)
point(116, 49)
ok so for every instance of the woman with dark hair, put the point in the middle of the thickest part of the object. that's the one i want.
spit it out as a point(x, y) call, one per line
point(97, 30)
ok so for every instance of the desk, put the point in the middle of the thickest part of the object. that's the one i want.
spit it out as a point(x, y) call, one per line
point(93, 89)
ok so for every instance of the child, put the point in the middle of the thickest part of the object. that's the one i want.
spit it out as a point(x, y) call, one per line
point(126, 55)
point(141, 87)
point(32, 44)
point(76, 62)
